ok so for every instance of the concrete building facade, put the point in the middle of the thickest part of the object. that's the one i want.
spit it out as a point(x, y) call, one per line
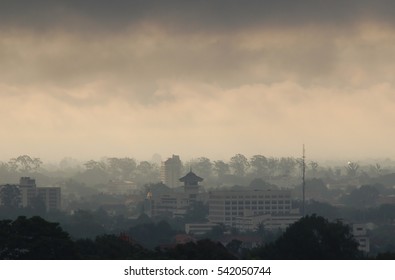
point(227, 207)
point(50, 196)
point(171, 171)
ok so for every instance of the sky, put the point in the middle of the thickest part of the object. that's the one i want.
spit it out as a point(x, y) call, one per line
point(94, 78)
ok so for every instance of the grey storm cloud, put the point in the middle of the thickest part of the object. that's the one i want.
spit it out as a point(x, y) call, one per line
point(189, 14)
point(111, 43)
point(216, 75)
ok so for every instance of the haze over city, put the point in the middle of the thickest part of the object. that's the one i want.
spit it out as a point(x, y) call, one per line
point(88, 79)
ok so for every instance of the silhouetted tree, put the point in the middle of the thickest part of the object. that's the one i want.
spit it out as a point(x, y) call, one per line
point(197, 213)
point(365, 196)
point(204, 249)
point(34, 239)
point(311, 238)
point(110, 247)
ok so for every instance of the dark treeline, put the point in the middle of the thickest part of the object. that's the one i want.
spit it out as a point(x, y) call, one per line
point(312, 237)
point(238, 170)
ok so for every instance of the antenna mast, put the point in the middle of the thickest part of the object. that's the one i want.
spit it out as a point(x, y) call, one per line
point(303, 181)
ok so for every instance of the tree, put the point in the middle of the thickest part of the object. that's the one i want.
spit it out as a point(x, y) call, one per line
point(216, 232)
point(365, 196)
point(95, 165)
point(202, 166)
point(34, 239)
point(287, 166)
point(314, 167)
point(272, 165)
point(38, 206)
point(259, 163)
point(221, 168)
point(122, 168)
point(197, 213)
point(316, 189)
point(352, 169)
point(147, 172)
point(323, 209)
point(312, 238)
point(110, 247)
point(204, 249)
point(10, 196)
point(239, 163)
point(24, 164)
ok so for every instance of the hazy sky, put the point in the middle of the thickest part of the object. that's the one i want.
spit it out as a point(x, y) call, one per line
point(208, 78)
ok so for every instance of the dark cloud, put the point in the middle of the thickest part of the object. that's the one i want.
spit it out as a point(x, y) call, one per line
point(189, 14)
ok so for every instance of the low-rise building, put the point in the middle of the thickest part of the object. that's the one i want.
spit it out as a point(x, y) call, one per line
point(199, 228)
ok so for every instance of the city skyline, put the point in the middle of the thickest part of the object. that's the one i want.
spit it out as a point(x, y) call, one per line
point(213, 78)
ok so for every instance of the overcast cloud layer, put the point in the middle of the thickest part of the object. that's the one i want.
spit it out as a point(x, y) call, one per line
point(214, 78)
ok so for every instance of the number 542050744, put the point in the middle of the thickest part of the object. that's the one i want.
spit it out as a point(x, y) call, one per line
point(244, 270)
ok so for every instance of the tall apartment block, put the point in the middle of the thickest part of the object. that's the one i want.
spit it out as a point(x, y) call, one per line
point(171, 171)
point(50, 196)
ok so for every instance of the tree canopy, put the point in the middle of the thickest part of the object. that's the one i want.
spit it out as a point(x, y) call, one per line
point(312, 237)
point(34, 239)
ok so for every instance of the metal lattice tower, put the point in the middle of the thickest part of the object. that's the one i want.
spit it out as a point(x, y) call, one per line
point(303, 181)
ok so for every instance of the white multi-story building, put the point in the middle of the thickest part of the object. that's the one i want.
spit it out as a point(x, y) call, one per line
point(227, 207)
point(170, 172)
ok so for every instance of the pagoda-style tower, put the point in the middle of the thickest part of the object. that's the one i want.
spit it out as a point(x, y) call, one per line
point(191, 184)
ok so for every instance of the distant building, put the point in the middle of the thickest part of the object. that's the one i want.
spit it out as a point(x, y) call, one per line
point(199, 229)
point(235, 208)
point(171, 171)
point(191, 184)
point(176, 202)
point(27, 182)
point(50, 196)
point(361, 236)
point(122, 187)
